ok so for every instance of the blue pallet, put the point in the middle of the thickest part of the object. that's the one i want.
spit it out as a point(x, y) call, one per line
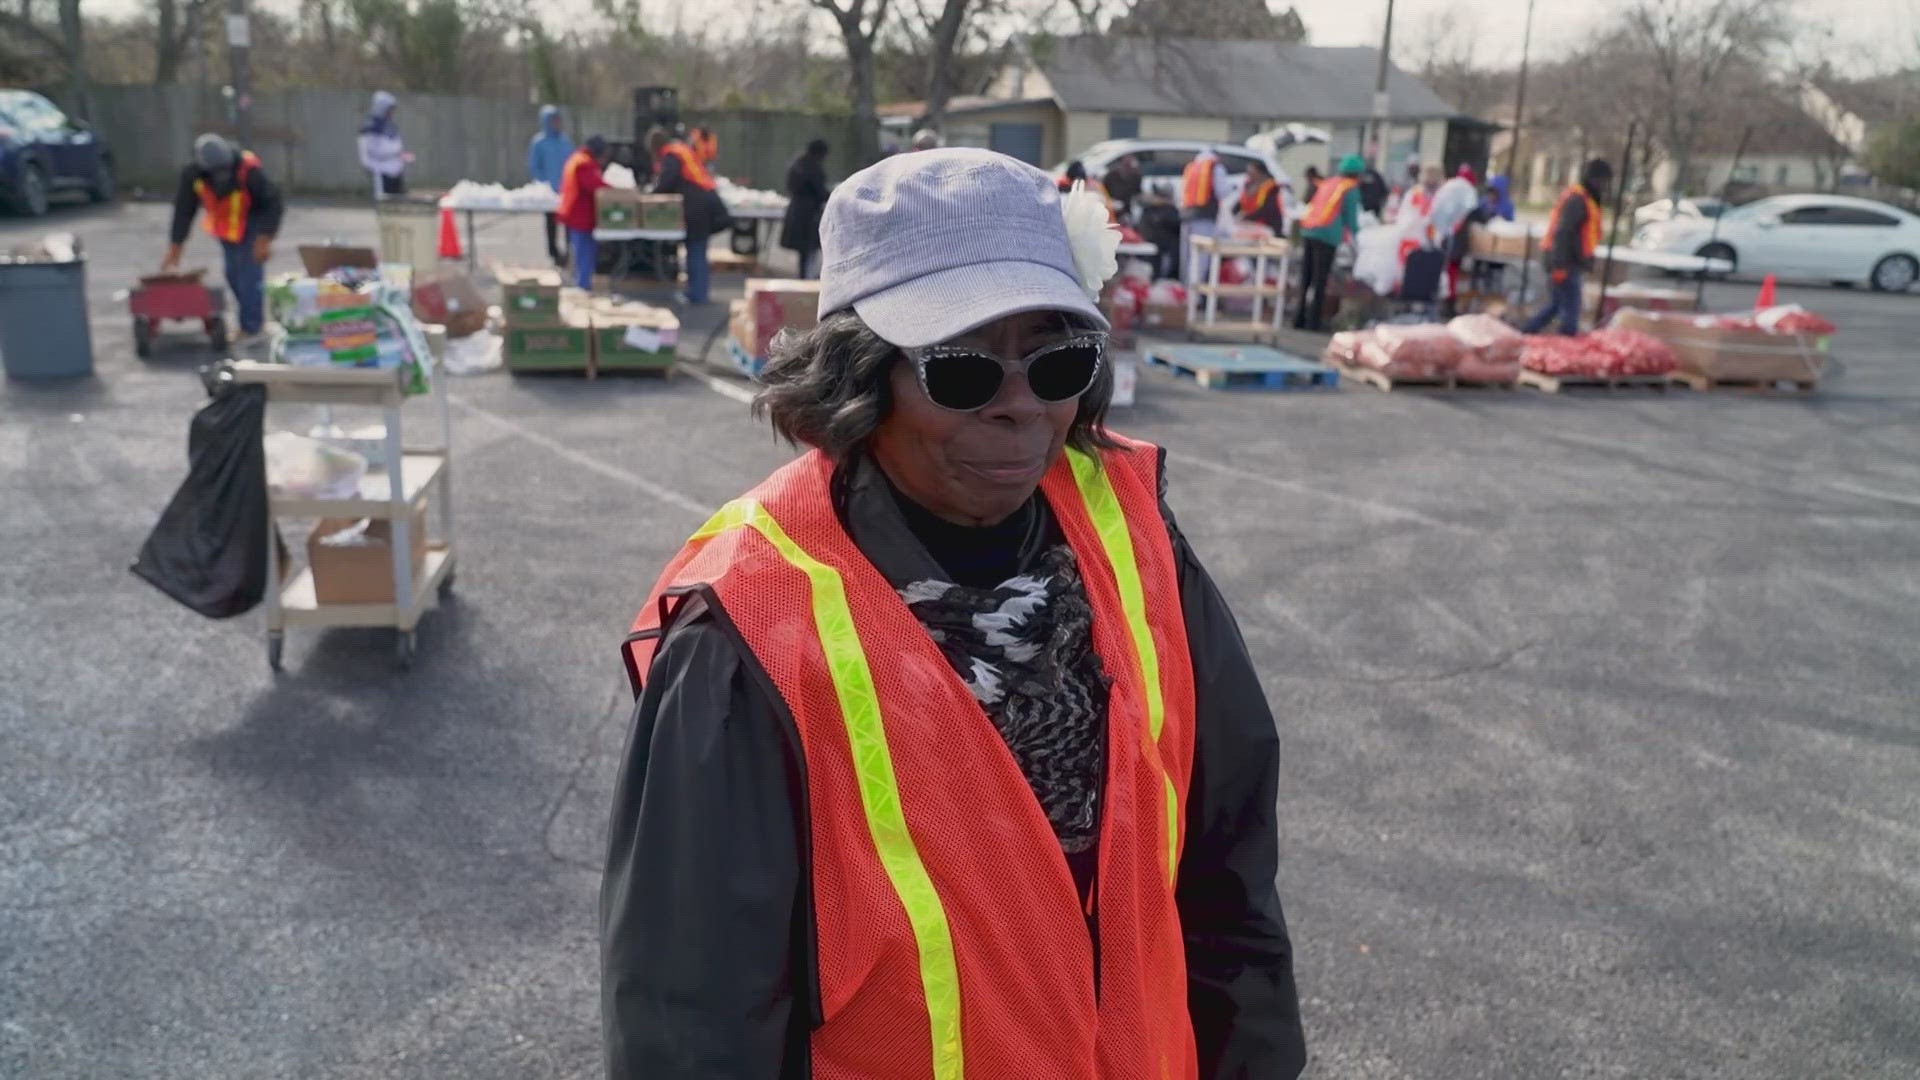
point(1242, 367)
point(749, 365)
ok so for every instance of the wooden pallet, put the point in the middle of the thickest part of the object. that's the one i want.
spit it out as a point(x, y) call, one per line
point(1241, 367)
point(1553, 384)
point(1707, 382)
point(1360, 373)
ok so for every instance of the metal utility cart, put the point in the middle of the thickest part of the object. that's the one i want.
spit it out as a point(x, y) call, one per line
point(1218, 249)
point(412, 476)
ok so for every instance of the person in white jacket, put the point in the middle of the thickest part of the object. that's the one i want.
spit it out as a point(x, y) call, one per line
point(381, 152)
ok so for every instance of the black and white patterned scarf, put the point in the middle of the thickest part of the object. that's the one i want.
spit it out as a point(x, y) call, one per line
point(1025, 650)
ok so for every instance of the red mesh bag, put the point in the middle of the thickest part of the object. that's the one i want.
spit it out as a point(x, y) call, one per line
point(1792, 319)
point(1631, 352)
point(1492, 349)
point(1427, 351)
point(1555, 354)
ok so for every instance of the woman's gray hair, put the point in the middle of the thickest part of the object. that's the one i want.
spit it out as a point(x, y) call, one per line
point(830, 387)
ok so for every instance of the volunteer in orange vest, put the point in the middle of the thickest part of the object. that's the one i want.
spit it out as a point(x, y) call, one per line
point(678, 170)
point(579, 210)
point(1332, 218)
point(1573, 232)
point(241, 208)
point(1263, 200)
point(1201, 183)
point(705, 145)
point(948, 759)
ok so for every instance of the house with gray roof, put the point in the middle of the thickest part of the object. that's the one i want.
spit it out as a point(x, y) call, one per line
point(1058, 97)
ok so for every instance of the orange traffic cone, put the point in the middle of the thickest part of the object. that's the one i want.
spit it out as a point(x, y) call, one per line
point(1766, 294)
point(449, 235)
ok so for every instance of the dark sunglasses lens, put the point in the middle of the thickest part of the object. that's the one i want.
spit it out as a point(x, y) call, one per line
point(962, 381)
point(1064, 373)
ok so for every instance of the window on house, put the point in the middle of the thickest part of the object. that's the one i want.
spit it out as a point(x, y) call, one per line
point(1782, 174)
point(1123, 127)
point(1747, 174)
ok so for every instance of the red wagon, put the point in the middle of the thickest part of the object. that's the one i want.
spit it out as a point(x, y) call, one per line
point(179, 297)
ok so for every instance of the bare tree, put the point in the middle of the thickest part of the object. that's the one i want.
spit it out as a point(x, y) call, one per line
point(944, 36)
point(67, 43)
point(1443, 54)
point(1678, 52)
point(177, 28)
point(861, 23)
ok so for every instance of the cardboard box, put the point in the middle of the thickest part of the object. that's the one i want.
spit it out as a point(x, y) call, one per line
point(773, 305)
point(453, 302)
point(566, 346)
point(663, 212)
point(1486, 242)
point(362, 572)
point(530, 298)
point(317, 259)
point(1731, 355)
point(1163, 316)
point(628, 335)
point(617, 208)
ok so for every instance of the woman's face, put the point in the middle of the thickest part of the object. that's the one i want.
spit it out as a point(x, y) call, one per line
point(976, 468)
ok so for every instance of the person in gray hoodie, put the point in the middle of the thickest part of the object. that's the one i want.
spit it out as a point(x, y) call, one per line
point(547, 158)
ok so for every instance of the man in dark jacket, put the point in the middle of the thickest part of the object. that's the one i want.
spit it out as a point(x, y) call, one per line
point(243, 211)
point(1573, 232)
point(1123, 185)
point(807, 192)
point(678, 170)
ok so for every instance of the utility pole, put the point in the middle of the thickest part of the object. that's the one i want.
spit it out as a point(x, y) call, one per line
point(1520, 100)
point(239, 90)
point(1380, 102)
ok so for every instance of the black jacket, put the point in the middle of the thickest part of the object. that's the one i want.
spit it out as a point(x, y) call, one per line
point(707, 931)
point(807, 193)
point(1565, 248)
point(263, 212)
point(705, 213)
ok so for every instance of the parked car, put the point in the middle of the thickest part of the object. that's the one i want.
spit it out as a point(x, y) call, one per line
point(44, 152)
point(1163, 160)
point(1834, 238)
point(1664, 210)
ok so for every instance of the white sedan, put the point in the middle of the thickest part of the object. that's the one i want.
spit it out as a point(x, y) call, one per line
point(1817, 237)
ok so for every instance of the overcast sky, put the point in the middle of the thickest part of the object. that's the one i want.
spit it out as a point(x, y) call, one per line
point(1869, 34)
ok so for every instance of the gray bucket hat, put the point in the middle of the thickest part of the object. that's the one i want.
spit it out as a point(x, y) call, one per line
point(925, 247)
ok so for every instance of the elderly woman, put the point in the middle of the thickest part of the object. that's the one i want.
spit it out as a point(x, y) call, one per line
point(949, 760)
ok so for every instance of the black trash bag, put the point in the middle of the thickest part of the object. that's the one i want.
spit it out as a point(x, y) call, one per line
point(209, 549)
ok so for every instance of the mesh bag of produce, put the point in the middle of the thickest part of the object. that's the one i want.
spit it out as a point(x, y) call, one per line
point(1792, 319)
point(1633, 353)
point(1426, 351)
point(1555, 354)
point(1492, 349)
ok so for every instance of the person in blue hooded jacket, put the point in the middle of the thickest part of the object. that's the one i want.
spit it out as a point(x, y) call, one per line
point(547, 158)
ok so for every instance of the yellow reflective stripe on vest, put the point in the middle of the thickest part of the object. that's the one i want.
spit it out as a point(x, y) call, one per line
point(236, 221)
point(873, 766)
point(1110, 523)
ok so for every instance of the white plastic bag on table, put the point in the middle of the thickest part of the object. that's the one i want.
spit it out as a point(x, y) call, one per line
point(303, 468)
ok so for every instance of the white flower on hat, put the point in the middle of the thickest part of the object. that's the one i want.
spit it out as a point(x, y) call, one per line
point(1092, 236)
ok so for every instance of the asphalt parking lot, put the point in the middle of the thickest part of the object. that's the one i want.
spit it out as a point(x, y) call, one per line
point(1600, 715)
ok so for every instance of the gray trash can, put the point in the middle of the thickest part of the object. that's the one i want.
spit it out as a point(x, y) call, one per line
point(43, 320)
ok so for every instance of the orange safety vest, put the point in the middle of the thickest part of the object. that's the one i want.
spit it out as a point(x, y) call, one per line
point(950, 937)
point(1196, 184)
point(226, 219)
point(690, 165)
point(1253, 198)
point(706, 145)
point(1324, 210)
point(1590, 234)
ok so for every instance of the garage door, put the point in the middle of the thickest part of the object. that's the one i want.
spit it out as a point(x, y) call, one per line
point(1023, 141)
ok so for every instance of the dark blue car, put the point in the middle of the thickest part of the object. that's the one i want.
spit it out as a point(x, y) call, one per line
point(43, 153)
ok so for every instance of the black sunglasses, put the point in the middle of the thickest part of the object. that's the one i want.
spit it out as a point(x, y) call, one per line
point(960, 378)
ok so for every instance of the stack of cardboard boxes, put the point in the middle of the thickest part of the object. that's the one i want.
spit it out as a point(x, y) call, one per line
point(555, 328)
point(626, 208)
point(770, 306)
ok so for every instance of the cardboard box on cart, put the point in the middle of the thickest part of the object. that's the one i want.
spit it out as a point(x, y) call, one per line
point(355, 565)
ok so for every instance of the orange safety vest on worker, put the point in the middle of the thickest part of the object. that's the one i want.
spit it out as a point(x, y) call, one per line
point(705, 145)
point(1324, 210)
point(950, 937)
point(691, 166)
point(1252, 198)
point(1589, 233)
point(225, 219)
point(1196, 184)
